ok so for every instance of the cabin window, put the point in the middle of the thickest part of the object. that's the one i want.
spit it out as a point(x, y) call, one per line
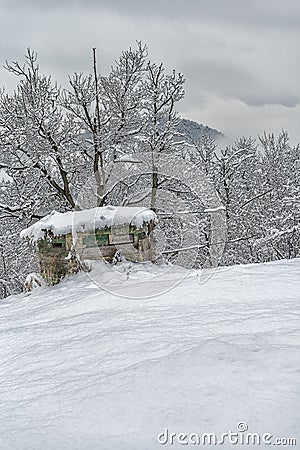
point(57, 244)
point(121, 239)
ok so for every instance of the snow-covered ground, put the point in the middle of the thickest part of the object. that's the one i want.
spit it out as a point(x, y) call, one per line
point(84, 369)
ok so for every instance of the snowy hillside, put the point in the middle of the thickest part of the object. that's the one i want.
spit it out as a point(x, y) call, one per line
point(194, 130)
point(84, 369)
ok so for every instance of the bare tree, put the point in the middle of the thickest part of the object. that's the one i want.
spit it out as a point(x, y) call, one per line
point(34, 130)
point(162, 92)
point(109, 110)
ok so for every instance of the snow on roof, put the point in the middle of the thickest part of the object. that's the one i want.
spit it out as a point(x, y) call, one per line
point(88, 220)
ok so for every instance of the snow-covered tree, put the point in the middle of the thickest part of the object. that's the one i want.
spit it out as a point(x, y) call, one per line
point(162, 92)
point(36, 136)
point(109, 110)
point(258, 184)
point(280, 212)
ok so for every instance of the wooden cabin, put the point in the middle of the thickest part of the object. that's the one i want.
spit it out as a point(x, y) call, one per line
point(63, 241)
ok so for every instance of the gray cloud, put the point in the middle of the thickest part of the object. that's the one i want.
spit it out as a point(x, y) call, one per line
point(228, 79)
point(257, 12)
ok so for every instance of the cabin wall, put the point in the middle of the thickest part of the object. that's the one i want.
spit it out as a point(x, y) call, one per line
point(55, 257)
point(53, 263)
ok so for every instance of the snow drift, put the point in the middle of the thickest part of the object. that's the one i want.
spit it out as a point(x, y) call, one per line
point(84, 369)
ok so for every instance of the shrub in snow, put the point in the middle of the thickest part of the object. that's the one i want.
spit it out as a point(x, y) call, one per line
point(33, 281)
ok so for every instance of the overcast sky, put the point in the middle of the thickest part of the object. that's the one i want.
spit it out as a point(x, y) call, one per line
point(240, 58)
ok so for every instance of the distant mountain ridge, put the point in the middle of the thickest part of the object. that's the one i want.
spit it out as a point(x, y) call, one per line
point(195, 130)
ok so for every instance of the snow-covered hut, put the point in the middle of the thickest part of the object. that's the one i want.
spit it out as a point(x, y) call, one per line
point(64, 239)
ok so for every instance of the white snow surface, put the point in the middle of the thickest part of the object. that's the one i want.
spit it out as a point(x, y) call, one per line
point(88, 220)
point(219, 208)
point(84, 369)
point(4, 177)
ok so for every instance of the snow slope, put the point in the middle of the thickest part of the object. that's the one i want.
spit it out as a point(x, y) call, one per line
point(84, 369)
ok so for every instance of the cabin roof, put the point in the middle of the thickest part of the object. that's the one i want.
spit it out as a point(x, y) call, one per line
point(88, 220)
